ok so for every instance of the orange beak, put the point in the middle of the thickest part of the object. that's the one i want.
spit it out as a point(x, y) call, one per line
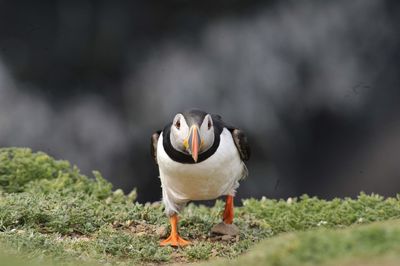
point(194, 142)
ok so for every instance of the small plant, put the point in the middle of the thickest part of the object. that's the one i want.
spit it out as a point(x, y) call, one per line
point(49, 211)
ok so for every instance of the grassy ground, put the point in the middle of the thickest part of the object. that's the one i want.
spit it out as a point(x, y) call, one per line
point(51, 212)
point(374, 244)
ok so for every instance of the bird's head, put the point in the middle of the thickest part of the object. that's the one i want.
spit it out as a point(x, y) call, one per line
point(192, 132)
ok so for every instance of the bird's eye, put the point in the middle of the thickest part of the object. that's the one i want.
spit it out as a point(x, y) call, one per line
point(209, 125)
point(178, 124)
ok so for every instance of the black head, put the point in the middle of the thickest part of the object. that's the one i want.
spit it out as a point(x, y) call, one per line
point(193, 134)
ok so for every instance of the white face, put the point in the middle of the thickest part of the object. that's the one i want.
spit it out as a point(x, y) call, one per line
point(180, 131)
point(206, 133)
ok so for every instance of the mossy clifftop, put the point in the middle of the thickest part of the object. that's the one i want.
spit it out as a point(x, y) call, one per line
point(50, 211)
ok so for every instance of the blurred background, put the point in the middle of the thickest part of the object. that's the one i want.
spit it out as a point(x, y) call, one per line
point(315, 84)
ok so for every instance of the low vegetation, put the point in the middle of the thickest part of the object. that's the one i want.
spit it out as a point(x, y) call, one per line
point(373, 244)
point(50, 212)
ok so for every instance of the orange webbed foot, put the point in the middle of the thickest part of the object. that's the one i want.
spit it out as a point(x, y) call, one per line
point(175, 241)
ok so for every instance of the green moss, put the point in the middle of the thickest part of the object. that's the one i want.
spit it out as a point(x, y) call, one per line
point(21, 170)
point(306, 213)
point(50, 211)
point(357, 245)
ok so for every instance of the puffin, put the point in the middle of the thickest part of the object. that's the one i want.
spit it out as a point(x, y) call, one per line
point(199, 157)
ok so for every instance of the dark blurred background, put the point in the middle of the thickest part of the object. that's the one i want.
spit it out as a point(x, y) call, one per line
point(315, 84)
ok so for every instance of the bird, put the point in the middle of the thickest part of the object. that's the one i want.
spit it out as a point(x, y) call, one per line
point(200, 157)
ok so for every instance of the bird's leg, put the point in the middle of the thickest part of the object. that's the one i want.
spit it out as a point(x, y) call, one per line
point(174, 239)
point(228, 212)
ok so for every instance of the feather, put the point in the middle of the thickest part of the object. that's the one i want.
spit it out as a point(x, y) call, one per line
point(154, 142)
point(241, 143)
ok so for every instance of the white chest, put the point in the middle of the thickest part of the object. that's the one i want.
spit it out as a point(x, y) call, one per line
point(209, 179)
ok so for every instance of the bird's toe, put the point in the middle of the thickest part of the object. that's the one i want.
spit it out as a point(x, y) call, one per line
point(175, 241)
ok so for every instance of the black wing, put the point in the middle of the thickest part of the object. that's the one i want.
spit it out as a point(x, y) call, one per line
point(154, 142)
point(241, 143)
point(238, 136)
